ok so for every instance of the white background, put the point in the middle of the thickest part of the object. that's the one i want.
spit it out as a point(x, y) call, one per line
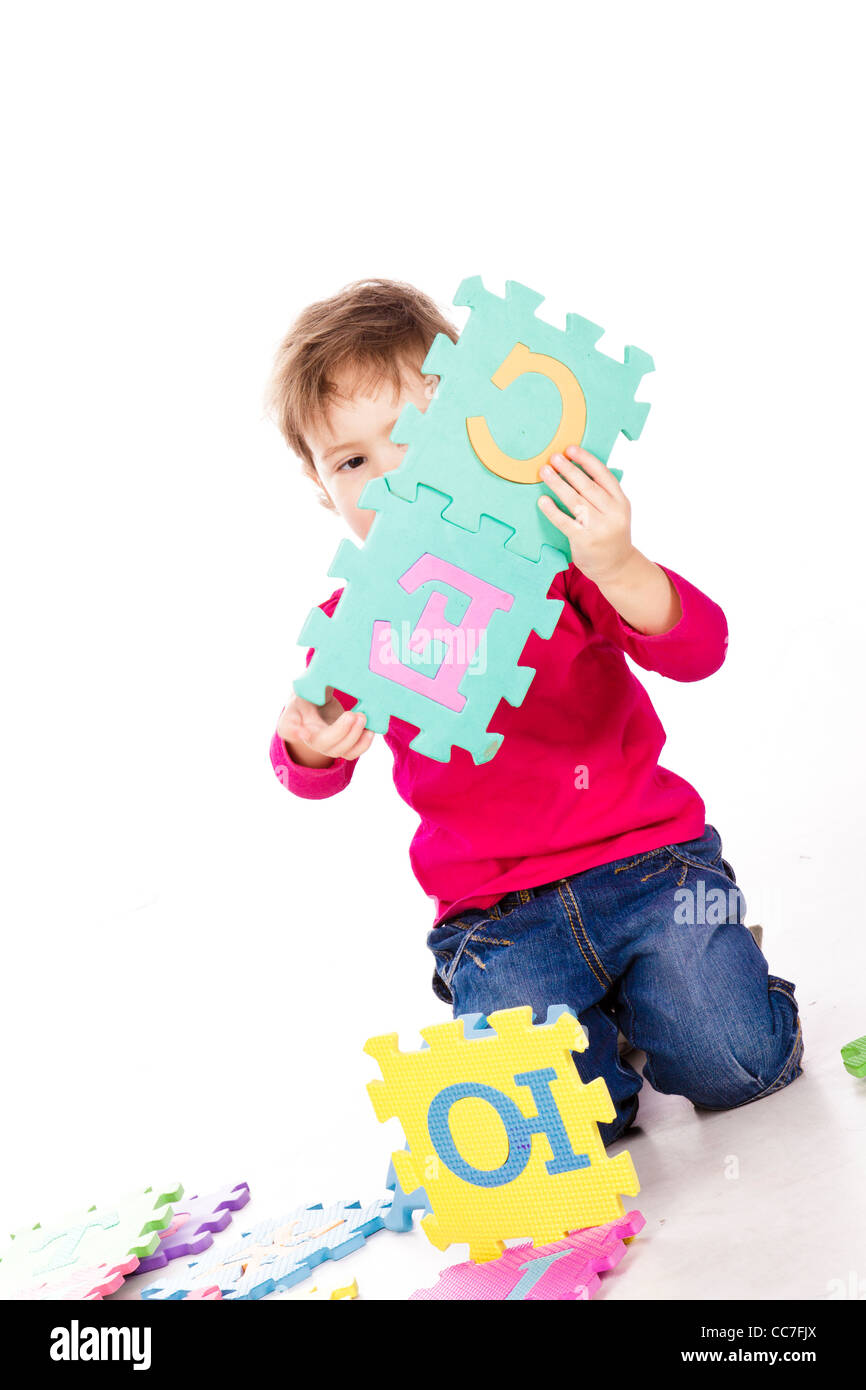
point(191, 958)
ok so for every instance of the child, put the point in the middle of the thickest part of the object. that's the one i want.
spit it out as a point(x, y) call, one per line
point(571, 868)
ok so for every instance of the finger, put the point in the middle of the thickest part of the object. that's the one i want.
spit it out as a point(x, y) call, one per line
point(342, 734)
point(589, 490)
point(598, 471)
point(571, 499)
point(361, 746)
point(289, 723)
point(308, 713)
point(563, 521)
point(348, 746)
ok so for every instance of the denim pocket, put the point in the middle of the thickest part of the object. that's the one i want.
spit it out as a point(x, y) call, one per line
point(448, 942)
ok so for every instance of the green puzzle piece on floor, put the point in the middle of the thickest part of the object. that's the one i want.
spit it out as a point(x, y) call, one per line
point(854, 1057)
point(514, 389)
point(431, 623)
point(117, 1237)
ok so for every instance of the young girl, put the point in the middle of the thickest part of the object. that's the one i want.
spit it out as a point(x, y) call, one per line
point(571, 868)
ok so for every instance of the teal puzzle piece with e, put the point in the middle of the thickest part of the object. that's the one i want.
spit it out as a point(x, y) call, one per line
point(419, 588)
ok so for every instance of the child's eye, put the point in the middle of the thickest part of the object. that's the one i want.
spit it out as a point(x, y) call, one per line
point(351, 463)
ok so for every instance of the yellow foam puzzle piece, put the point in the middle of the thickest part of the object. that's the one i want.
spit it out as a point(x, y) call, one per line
point(488, 1174)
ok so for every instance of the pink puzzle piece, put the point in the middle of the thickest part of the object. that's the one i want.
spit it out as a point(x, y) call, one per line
point(87, 1284)
point(212, 1293)
point(199, 1218)
point(176, 1223)
point(484, 600)
point(568, 1269)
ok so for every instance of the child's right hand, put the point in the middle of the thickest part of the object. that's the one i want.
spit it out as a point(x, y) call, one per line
point(317, 734)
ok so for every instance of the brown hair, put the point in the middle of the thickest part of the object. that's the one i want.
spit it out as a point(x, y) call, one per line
point(374, 328)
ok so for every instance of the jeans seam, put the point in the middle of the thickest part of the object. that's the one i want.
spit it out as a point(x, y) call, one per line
point(480, 934)
point(664, 868)
point(606, 980)
point(714, 864)
point(474, 933)
point(632, 863)
point(455, 959)
point(792, 1057)
point(796, 1054)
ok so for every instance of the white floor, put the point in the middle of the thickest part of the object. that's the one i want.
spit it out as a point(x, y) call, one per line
point(211, 1031)
point(763, 1202)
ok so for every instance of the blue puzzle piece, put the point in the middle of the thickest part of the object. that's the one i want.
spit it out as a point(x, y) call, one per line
point(279, 1252)
point(403, 1204)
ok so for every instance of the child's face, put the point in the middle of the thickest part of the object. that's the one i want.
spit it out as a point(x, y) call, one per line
point(352, 444)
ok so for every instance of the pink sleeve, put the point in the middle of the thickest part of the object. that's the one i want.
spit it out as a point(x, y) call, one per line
point(693, 649)
point(314, 783)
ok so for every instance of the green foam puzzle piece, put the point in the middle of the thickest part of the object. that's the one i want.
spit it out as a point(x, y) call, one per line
point(854, 1057)
point(523, 418)
point(94, 1237)
point(378, 612)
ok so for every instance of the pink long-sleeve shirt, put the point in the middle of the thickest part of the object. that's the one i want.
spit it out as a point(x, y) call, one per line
point(576, 781)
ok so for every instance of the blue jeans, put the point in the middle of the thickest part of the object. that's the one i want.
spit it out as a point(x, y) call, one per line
point(651, 945)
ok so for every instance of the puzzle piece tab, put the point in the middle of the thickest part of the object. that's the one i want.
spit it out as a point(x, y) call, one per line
point(403, 1204)
point(501, 1132)
point(566, 1270)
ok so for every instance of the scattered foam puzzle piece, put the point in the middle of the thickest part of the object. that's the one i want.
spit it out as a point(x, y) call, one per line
point(431, 624)
point(492, 1171)
point(403, 1204)
point(513, 390)
point(278, 1253)
point(209, 1295)
point(854, 1057)
point(330, 1290)
point(174, 1225)
point(95, 1238)
point(89, 1285)
point(566, 1270)
point(201, 1216)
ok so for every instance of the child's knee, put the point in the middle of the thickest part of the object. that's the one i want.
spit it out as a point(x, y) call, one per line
point(737, 1087)
point(756, 1066)
point(743, 1062)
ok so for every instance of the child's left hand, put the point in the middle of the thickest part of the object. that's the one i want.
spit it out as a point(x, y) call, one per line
point(597, 515)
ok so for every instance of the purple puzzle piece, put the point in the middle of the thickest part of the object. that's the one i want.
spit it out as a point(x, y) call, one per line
point(203, 1215)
